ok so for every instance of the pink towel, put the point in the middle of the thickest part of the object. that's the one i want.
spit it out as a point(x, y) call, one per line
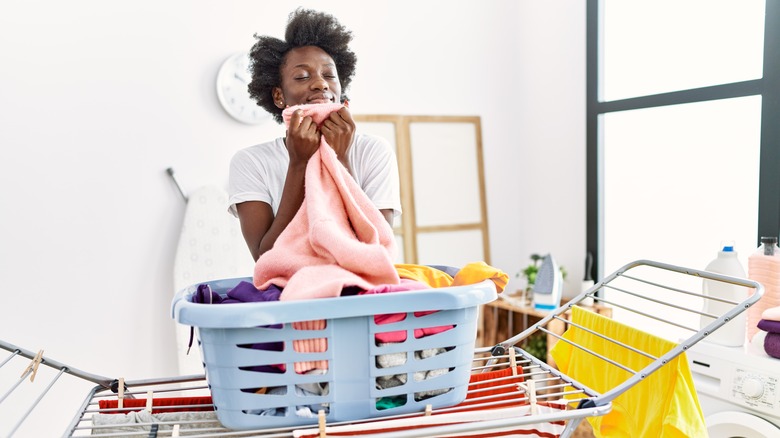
point(338, 238)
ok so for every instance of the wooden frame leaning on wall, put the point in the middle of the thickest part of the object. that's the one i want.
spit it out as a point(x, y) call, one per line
point(442, 185)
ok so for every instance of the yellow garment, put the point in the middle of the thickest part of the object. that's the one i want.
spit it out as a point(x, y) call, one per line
point(425, 274)
point(664, 404)
point(472, 273)
point(479, 271)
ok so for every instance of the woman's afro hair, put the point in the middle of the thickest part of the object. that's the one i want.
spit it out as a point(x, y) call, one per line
point(305, 27)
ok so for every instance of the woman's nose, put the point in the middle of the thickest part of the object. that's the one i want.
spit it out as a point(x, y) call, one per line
point(320, 84)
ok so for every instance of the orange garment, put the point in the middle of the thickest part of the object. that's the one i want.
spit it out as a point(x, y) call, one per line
point(482, 385)
point(425, 274)
point(479, 271)
point(472, 273)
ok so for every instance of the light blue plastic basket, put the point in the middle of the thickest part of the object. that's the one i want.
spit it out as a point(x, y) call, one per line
point(352, 351)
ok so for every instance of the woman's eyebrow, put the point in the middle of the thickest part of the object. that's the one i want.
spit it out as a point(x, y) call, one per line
point(304, 65)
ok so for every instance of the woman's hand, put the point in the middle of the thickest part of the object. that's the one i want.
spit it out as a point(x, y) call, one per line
point(339, 130)
point(303, 138)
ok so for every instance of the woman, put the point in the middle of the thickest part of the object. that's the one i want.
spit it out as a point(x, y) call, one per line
point(312, 65)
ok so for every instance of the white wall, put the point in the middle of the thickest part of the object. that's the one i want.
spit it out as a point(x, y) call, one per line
point(100, 97)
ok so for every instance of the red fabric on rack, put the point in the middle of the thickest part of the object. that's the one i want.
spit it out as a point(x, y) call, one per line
point(166, 404)
point(472, 398)
point(489, 379)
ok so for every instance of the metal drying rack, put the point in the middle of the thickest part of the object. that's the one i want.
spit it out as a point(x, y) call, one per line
point(652, 293)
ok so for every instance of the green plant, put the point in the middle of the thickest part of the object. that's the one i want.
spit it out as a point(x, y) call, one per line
point(536, 345)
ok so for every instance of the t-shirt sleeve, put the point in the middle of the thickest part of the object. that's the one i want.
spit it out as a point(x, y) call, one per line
point(379, 179)
point(246, 181)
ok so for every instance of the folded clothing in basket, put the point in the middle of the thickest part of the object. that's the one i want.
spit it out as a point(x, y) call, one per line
point(770, 323)
point(247, 292)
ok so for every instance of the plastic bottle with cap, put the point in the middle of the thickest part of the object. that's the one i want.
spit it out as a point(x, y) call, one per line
point(764, 267)
point(732, 334)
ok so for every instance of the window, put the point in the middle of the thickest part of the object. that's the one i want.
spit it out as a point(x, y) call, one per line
point(683, 143)
point(682, 133)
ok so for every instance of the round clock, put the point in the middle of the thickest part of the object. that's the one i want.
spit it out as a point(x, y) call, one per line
point(232, 81)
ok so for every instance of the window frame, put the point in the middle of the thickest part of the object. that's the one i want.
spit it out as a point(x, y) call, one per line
point(768, 87)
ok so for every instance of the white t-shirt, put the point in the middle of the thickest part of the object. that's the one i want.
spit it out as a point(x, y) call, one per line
point(258, 173)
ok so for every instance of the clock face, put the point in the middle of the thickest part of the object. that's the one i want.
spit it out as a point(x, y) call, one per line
point(232, 81)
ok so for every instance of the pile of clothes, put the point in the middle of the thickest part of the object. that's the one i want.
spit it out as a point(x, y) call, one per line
point(770, 331)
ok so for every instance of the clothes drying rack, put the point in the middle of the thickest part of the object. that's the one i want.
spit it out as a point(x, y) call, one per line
point(651, 295)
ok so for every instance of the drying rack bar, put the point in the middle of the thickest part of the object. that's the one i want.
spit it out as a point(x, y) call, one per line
point(18, 351)
point(650, 292)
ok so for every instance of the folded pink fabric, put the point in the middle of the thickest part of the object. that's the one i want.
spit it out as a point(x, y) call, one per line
point(337, 239)
point(771, 314)
point(310, 346)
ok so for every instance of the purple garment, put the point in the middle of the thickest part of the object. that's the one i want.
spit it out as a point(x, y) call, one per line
point(244, 292)
point(770, 326)
point(772, 344)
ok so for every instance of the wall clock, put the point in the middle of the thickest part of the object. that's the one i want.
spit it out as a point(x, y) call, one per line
point(232, 80)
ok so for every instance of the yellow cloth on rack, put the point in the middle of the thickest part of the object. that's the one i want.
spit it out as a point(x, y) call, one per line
point(472, 273)
point(664, 404)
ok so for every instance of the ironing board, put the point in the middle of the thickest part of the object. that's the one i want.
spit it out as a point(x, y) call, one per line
point(210, 246)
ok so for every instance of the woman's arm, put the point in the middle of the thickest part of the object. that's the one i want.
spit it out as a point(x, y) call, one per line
point(388, 214)
point(258, 224)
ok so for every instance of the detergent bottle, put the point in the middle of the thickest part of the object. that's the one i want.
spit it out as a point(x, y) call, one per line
point(764, 267)
point(732, 334)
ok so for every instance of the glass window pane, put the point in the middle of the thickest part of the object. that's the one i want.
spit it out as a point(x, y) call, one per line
point(680, 179)
point(658, 46)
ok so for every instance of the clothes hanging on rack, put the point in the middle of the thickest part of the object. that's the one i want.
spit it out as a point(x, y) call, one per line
point(664, 404)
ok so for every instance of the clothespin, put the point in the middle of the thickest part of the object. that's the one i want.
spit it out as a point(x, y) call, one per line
point(428, 410)
point(321, 423)
point(530, 390)
point(175, 431)
point(149, 401)
point(32, 368)
point(121, 393)
point(513, 361)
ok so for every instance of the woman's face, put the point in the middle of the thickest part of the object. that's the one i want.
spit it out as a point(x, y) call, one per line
point(308, 76)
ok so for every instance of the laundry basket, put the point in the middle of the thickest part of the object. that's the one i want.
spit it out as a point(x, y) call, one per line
point(364, 367)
